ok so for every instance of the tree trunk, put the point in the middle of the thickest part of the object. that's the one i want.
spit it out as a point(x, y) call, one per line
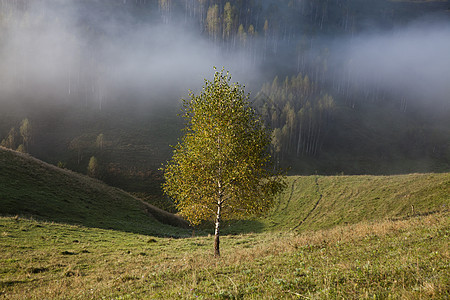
point(217, 232)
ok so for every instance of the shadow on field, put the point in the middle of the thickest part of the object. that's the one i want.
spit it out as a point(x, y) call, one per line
point(164, 216)
point(243, 226)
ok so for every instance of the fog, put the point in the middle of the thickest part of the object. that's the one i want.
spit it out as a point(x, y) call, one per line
point(77, 51)
point(66, 51)
point(413, 61)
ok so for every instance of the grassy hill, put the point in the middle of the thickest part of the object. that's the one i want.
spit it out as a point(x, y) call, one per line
point(403, 259)
point(32, 188)
point(320, 202)
point(336, 237)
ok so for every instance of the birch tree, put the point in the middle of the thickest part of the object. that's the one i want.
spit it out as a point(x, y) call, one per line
point(220, 167)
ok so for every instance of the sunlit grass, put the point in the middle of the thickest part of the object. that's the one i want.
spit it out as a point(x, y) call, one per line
point(337, 237)
point(318, 202)
point(405, 258)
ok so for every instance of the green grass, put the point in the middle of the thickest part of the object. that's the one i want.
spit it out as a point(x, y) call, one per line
point(29, 187)
point(402, 259)
point(318, 202)
point(64, 235)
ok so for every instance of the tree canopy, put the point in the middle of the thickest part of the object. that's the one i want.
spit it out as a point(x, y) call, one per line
point(220, 168)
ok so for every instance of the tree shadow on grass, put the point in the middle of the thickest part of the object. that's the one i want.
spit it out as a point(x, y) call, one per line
point(229, 227)
point(242, 226)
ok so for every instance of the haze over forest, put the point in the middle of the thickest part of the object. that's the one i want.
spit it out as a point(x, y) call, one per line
point(349, 86)
point(57, 48)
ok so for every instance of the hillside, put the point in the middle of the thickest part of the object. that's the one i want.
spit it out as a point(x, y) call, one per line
point(352, 87)
point(320, 202)
point(327, 237)
point(32, 188)
point(403, 259)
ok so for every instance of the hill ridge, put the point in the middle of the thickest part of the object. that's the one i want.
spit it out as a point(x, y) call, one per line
point(34, 188)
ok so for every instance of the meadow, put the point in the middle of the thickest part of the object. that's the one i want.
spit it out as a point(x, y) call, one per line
point(402, 259)
point(68, 236)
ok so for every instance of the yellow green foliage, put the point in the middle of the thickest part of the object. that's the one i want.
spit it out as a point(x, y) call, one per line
point(222, 159)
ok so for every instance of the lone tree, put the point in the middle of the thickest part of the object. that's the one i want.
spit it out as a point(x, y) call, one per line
point(25, 132)
point(93, 168)
point(220, 168)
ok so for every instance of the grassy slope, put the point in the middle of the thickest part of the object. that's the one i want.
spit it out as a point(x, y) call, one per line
point(33, 188)
point(403, 259)
point(382, 252)
point(318, 202)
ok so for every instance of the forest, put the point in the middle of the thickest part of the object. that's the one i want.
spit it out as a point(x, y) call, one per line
point(348, 87)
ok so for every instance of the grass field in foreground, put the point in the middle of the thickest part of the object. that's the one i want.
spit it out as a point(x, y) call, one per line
point(327, 237)
point(402, 259)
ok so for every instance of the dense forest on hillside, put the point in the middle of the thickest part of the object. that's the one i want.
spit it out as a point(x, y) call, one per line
point(354, 86)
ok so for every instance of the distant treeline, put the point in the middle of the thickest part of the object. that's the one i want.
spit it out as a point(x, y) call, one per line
point(299, 114)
